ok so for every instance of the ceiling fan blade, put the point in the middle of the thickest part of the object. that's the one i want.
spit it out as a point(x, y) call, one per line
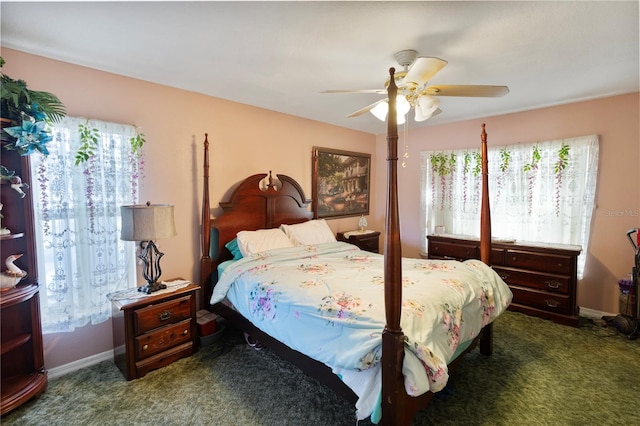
point(423, 69)
point(380, 91)
point(366, 109)
point(467, 90)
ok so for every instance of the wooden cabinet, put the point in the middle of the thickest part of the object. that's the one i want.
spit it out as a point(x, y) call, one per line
point(367, 240)
point(153, 331)
point(23, 375)
point(542, 277)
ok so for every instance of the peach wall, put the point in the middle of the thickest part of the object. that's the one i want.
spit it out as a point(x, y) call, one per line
point(614, 119)
point(244, 140)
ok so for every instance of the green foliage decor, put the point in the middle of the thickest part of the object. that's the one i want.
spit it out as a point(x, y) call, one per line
point(29, 114)
point(91, 136)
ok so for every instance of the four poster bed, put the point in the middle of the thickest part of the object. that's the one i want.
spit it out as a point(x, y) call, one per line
point(393, 374)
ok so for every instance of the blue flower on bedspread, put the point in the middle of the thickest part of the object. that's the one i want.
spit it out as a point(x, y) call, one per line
point(263, 301)
point(343, 307)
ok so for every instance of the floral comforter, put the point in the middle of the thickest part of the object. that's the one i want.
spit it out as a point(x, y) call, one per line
point(327, 301)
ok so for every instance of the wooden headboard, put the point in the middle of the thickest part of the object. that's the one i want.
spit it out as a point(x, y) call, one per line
point(258, 202)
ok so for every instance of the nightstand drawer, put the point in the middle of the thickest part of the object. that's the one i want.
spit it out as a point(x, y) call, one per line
point(369, 244)
point(155, 316)
point(166, 337)
point(164, 358)
point(368, 240)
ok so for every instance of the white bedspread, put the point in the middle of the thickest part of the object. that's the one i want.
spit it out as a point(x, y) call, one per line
point(327, 301)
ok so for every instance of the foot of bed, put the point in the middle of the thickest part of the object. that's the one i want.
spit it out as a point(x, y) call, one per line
point(486, 340)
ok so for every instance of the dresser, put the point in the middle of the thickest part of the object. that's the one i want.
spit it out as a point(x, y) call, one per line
point(153, 331)
point(365, 240)
point(542, 277)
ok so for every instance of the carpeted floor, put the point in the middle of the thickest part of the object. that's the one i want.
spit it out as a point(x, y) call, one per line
point(540, 373)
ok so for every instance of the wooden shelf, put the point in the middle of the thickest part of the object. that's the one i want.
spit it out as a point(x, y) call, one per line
point(20, 388)
point(11, 236)
point(22, 372)
point(13, 343)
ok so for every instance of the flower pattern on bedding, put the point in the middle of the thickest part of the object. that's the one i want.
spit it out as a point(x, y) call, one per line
point(327, 301)
point(341, 307)
point(263, 301)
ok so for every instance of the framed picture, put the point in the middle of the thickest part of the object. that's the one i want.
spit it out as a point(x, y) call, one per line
point(340, 183)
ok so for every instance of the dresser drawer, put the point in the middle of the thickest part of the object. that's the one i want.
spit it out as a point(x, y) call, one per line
point(458, 251)
point(552, 283)
point(551, 302)
point(162, 339)
point(155, 316)
point(555, 264)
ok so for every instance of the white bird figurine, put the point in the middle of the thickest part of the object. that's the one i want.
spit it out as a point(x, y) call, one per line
point(12, 276)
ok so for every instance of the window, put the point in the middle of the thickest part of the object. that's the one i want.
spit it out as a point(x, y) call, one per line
point(543, 191)
point(77, 219)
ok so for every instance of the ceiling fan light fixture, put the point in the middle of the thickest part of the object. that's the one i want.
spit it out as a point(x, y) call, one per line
point(402, 105)
point(381, 110)
point(427, 105)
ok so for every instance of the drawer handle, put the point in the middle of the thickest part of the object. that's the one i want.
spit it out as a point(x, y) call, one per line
point(552, 303)
point(504, 276)
point(145, 347)
point(164, 315)
point(553, 284)
point(184, 333)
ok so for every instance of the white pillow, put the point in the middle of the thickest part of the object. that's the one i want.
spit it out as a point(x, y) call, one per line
point(308, 233)
point(251, 242)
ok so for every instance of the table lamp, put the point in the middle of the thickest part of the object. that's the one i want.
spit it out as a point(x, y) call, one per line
point(146, 223)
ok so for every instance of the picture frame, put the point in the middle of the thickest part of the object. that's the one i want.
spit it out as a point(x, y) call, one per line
point(340, 183)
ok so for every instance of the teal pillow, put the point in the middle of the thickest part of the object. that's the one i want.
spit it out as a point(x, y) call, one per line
point(232, 246)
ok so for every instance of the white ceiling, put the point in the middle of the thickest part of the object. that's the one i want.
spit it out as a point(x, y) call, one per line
point(282, 55)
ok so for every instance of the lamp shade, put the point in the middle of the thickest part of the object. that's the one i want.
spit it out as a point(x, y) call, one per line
point(147, 222)
point(382, 109)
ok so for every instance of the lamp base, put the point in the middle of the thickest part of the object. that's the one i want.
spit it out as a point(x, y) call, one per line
point(151, 287)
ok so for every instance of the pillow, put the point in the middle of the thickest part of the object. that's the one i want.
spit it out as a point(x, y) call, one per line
point(251, 242)
point(232, 246)
point(308, 233)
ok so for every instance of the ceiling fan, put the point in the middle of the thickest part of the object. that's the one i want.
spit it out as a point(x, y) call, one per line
point(413, 91)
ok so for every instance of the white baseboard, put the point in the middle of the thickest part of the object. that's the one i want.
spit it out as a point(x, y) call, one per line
point(592, 313)
point(81, 363)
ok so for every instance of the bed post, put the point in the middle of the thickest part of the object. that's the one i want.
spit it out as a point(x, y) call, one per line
point(205, 260)
point(486, 338)
point(394, 410)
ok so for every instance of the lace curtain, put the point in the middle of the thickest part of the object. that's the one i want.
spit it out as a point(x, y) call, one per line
point(543, 191)
point(77, 215)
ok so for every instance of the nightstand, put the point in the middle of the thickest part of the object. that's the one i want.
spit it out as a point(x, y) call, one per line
point(366, 240)
point(152, 331)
